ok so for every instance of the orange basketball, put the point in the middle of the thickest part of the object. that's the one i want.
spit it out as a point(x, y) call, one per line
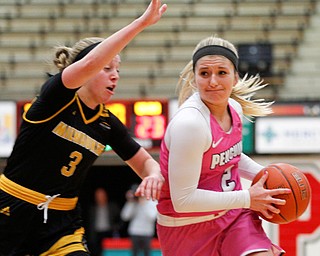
point(282, 175)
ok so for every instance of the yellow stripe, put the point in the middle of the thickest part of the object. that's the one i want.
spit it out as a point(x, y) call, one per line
point(95, 117)
point(24, 115)
point(67, 244)
point(76, 97)
point(33, 197)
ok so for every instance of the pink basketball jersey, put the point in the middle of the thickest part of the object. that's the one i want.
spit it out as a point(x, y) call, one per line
point(219, 165)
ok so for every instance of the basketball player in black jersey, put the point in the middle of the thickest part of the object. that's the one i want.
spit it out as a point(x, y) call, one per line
point(66, 128)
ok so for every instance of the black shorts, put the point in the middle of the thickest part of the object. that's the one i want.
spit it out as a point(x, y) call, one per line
point(23, 231)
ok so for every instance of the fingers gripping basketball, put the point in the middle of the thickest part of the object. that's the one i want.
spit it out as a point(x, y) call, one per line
point(282, 175)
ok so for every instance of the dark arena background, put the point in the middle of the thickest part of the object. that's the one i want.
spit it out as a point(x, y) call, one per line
point(279, 39)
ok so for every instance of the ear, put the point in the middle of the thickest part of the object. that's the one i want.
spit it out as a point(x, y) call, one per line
point(194, 85)
point(236, 78)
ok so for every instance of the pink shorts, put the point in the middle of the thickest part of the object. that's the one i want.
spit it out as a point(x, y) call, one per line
point(237, 233)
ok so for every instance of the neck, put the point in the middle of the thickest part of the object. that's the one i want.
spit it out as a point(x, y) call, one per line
point(219, 111)
point(86, 98)
point(223, 117)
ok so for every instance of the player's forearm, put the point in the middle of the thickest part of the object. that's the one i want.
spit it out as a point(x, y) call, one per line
point(143, 164)
point(206, 201)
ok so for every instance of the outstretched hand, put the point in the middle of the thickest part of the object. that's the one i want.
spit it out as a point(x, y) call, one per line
point(263, 200)
point(150, 187)
point(153, 13)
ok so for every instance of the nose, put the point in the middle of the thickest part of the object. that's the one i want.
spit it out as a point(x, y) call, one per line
point(213, 80)
point(115, 75)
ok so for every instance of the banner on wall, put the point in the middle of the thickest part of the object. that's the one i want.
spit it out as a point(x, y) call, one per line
point(8, 127)
point(287, 135)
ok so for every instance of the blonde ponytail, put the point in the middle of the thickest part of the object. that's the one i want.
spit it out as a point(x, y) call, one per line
point(64, 56)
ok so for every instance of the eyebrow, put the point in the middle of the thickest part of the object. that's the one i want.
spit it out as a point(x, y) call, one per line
point(204, 66)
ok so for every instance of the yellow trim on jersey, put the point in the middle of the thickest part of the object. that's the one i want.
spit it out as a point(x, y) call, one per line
point(67, 244)
point(36, 198)
point(95, 117)
point(49, 118)
point(76, 97)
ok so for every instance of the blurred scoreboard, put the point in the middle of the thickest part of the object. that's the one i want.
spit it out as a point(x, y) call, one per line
point(146, 120)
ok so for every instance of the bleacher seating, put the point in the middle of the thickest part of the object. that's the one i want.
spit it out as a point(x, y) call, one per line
point(304, 72)
point(152, 62)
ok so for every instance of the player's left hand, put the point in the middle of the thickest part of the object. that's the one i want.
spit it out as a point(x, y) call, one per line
point(153, 13)
point(150, 187)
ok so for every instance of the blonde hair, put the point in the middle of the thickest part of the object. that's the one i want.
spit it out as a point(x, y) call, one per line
point(242, 92)
point(64, 56)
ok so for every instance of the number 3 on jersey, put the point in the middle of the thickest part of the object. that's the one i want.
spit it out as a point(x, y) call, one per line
point(227, 183)
point(76, 159)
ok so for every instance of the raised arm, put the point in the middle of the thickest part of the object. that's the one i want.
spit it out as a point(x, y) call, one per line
point(84, 69)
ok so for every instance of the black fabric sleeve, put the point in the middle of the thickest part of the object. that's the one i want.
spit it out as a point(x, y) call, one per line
point(53, 96)
point(120, 140)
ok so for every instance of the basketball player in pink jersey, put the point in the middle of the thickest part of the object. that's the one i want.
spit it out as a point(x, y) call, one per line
point(203, 210)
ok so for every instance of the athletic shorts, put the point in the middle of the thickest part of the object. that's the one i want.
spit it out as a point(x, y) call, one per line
point(23, 231)
point(237, 233)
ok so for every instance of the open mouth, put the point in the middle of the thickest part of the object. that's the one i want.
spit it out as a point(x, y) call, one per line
point(110, 88)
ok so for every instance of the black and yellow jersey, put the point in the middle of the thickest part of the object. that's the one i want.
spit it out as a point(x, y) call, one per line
point(59, 140)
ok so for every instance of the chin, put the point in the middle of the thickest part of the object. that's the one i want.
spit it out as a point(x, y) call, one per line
point(106, 99)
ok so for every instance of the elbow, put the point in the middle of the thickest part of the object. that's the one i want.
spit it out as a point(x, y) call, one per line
point(184, 202)
point(89, 64)
point(180, 206)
